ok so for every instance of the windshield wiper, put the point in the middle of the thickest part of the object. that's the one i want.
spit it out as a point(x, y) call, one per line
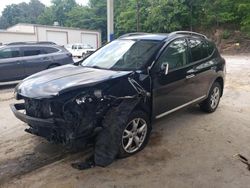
point(96, 67)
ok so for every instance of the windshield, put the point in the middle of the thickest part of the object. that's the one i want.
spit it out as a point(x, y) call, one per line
point(123, 55)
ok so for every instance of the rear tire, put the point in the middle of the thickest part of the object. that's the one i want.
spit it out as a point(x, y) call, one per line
point(211, 103)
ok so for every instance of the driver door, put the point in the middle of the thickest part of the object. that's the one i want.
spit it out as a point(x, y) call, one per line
point(172, 90)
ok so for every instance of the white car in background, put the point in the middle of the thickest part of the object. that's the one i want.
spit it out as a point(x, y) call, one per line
point(80, 50)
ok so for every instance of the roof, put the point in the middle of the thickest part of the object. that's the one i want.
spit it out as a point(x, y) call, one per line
point(144, 36)
point(51, 26)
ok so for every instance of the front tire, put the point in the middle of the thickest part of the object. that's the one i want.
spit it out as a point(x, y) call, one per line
point(135, 134)
point(109, 142)
point(213, 100)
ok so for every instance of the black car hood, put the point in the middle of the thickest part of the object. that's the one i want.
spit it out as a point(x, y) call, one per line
point(52, 82)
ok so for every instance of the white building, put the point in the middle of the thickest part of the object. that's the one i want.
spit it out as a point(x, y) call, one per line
point(60, 35)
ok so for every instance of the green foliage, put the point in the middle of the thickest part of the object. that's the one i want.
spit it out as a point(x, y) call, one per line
point(244, 12)
point(226, 34)
point(21, 13)
point(135, 15)
point(57, 12)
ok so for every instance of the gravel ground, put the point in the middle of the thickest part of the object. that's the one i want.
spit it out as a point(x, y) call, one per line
point(187, 149)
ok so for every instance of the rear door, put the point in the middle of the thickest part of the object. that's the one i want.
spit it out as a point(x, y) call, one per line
point(174, 90)
point(11, 64)
point(202, 66)
point(36, 59)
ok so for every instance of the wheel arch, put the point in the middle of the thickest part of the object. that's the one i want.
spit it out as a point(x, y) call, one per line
point(220, 80)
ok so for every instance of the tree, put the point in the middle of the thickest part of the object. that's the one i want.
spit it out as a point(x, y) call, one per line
point(134, 15)
point(244, 14)
point(21, 13)
point(57, 12)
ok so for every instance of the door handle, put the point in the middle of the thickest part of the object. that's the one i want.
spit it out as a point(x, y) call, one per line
point(190, 76)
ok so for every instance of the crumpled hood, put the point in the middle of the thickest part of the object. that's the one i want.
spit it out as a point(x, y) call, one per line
point(52, 82)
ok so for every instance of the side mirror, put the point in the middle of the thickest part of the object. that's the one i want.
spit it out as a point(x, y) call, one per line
point(164, 68)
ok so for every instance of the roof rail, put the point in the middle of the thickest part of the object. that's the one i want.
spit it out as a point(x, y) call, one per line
point(189, 33)
point(30, 43)
point(133, 34)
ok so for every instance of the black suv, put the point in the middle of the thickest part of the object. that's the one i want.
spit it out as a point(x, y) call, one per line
point(116, 93)
point(21, 59)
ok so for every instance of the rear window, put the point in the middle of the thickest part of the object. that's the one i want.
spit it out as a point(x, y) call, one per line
point(199, 49)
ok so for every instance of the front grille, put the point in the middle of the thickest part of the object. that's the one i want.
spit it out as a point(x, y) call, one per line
point(37, 108)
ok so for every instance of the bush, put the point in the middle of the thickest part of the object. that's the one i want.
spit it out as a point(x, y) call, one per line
point(226, 34)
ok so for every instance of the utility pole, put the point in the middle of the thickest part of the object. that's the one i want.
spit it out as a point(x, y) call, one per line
point(137, 15)
point(110, 20)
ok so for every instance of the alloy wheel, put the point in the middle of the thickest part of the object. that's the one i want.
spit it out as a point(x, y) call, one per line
point(134, 135)
point(215, 97)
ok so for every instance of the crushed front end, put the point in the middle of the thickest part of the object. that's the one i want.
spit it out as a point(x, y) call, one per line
point(76, 116)
point(63, 119)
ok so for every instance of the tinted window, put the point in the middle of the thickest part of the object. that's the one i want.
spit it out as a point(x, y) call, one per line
point(198, 49)
point(9, 53)
point(210, 48)
point(31, 52)
point(175, 55)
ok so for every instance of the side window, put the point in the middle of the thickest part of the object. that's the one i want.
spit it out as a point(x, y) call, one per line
point(199, 49)
point(175, 55)
point(31, 51)
point(9, 53)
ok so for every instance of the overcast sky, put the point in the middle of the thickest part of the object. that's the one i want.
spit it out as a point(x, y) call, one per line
point(4, 3)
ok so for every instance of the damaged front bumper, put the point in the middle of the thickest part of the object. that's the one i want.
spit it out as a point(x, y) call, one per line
point(53, 129)
point(17, 108)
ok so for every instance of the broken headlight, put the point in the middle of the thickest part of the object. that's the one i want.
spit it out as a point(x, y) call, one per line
point(98, 93)
point(83, 99)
